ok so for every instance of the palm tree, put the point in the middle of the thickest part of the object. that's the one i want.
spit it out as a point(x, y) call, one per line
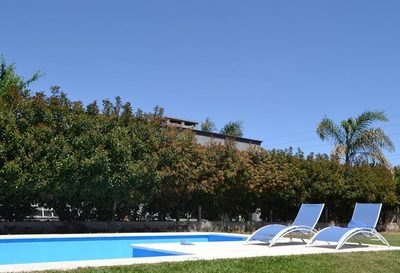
point(356, 140)
point(233, 128)
point(208, 125)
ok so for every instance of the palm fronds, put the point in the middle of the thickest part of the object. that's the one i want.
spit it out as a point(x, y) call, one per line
point(356, 140)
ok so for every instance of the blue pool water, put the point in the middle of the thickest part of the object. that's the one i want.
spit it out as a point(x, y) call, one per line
point(36, 250)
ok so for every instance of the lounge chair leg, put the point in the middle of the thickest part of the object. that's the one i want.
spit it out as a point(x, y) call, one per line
point(381, 238)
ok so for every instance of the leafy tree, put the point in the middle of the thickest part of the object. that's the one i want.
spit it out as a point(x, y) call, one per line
point(225, 176)
point(208, 125)
point(102, 164)
point(233, 128)
point(397, 180)
point(17, 190)
point(178, 162)
point(10, 81)
point(107, 166)
point(356, 140)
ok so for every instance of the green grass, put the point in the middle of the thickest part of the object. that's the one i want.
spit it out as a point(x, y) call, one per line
point(385, 261)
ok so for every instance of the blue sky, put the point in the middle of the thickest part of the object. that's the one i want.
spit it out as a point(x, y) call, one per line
point(277, 66)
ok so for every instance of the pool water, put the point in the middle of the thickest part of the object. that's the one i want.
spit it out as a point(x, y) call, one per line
point(38, 250)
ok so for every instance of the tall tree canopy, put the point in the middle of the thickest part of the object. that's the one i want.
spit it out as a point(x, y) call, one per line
point(356, 140)
point(107, 161)
point(397, 180)
point(233, 128)
point(10, 81)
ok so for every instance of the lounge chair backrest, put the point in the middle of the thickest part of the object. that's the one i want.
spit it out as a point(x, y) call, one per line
point(365, 215)
point(308, 215)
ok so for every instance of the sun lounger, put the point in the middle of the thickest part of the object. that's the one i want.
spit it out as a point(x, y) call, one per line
point(363, 223)
point(305, 221)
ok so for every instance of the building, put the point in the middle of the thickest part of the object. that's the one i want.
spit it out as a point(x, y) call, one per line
point(205, 138)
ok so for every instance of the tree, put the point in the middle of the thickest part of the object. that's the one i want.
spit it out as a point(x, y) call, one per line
point(356, 140)
point(10, 81)
point(208, 125)
point(397, 180)
point(233, 128)
point(106, 163)
point(17, 190)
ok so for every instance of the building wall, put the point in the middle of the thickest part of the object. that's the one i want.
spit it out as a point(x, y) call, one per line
point(241, 146)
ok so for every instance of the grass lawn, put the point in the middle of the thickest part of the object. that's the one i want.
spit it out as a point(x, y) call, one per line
point(386, 261)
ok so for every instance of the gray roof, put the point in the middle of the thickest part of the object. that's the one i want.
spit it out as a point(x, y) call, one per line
point(182, 120)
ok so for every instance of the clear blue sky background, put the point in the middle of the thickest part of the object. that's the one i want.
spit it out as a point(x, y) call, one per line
point(278, 66)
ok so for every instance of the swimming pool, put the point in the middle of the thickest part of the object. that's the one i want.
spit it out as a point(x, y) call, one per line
point(40, 249)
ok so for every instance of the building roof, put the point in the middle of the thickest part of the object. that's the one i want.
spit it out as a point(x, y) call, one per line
point(178, 120)
point(192, 125)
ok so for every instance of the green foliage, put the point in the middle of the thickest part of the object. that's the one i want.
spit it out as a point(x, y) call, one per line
point(233, 128)
point(17, 189)
point(111, 162)
point(397, 181)
point(355, 140)
point(10, 82)
point(208, 125)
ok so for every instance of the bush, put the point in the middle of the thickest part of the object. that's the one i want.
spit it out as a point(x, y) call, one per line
point(111, 163)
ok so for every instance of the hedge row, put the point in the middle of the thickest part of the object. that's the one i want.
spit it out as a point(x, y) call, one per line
point(111, 163)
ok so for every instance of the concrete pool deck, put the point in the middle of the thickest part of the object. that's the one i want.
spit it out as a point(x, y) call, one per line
point(198, 251)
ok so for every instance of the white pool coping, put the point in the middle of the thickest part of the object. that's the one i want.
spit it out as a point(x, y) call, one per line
point(197, 251)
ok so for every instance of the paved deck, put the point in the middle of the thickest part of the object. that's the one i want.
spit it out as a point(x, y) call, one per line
point(204, 251)
point(223, 250)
